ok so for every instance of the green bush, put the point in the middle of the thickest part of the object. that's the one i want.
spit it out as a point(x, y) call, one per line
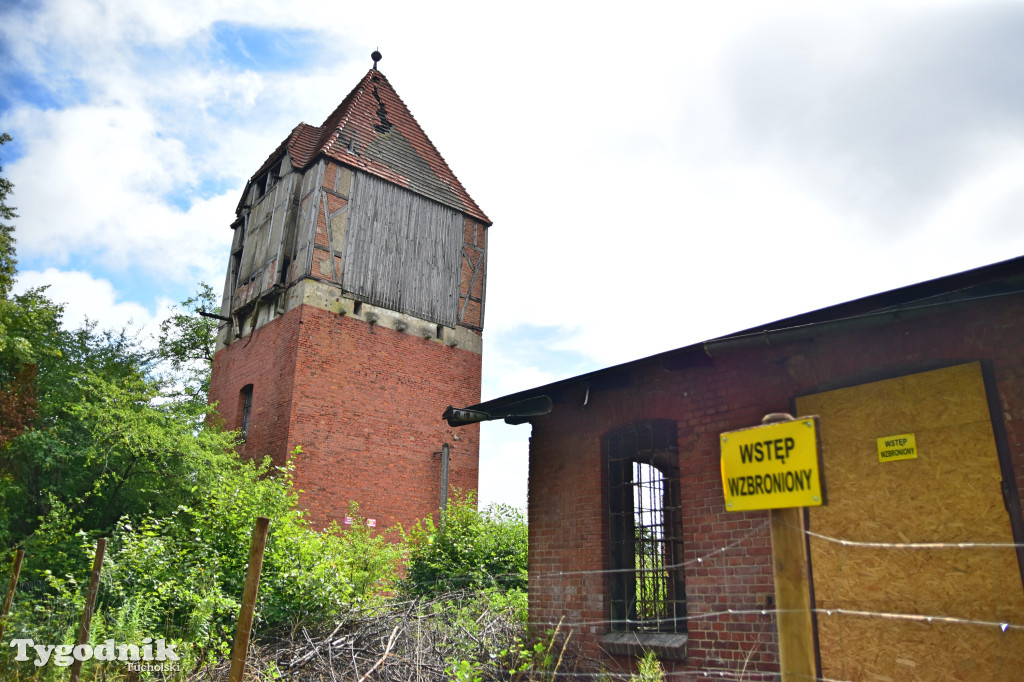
point(470, 549)
point(181, 576)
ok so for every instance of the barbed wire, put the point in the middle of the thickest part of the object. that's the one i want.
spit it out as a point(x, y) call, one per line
point(1002, 625)
point(752, 532)
point(755, 531)
point(912, 545)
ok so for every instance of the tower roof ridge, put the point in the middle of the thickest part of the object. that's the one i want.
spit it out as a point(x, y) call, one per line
point(337, 119)
point(373, 130)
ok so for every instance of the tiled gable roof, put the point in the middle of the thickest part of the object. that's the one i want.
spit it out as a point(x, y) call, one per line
point(372, 130)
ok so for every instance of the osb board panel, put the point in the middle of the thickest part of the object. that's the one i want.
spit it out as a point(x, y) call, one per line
point(950, 493)
point(876, 649)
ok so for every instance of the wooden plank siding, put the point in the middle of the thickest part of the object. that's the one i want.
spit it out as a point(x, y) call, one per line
point(384, 245)
point(265, 229)
point(402, 251)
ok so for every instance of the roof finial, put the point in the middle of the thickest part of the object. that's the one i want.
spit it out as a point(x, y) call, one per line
point(376, 57)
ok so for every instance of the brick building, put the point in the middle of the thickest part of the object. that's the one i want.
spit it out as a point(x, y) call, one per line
point(631, 543)
point(353, 306)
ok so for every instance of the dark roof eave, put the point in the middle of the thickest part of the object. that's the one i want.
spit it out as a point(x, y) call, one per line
point(678, 356)
point(866, 311)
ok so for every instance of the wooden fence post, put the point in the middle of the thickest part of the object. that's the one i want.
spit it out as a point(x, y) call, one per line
point(252, 582)
point(90, 604)
point(15, 572)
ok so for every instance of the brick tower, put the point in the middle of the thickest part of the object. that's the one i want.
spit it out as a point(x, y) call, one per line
point(355, 294)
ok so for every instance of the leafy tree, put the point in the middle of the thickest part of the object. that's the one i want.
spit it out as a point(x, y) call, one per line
point(470, 549)
point(181, 575)
point(17, 357)
point(97, 428)
point(105, 440)
point(30, 336)
point(188, 568)
point(116, 450)
point(186, 343)
point(8, 262)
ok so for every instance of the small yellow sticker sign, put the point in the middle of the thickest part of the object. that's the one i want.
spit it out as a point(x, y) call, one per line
point(892, 448)
point(773, 466)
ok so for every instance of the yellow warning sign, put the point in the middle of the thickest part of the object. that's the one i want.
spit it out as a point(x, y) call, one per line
point(772, 466)
point(892, 448)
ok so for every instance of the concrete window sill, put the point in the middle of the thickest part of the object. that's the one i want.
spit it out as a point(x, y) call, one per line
point(665, 646)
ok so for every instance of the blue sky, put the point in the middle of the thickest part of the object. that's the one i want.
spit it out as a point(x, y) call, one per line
point(656, 177)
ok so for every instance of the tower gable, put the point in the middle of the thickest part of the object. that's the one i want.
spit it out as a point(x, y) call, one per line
point(365, 204)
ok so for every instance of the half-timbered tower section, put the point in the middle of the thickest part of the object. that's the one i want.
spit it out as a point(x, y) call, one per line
point(354, 306)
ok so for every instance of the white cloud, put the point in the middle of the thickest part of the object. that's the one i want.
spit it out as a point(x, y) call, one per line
point(503, 464)
point(94, 184)
point(508, 372)
point(884, 118)
point(87, 298)
point(141, 164)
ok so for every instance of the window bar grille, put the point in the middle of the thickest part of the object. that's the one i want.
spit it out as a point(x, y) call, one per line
point(646, 584)
point(651, 578)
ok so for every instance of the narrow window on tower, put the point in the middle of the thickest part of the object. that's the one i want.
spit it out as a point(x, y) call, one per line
point(236, 265)
point(646, 589)
point(283, 275)
point(245, 401)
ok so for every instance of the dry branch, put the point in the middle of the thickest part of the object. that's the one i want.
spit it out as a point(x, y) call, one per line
point(402, 641)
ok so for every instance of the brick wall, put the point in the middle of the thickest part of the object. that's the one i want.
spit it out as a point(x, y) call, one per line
point(367, 412)
point(363, 402)
point(727, 554)
point(266, 359)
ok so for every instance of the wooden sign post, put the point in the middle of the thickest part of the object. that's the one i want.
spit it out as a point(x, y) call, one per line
point(777, 466)
point(791, 571)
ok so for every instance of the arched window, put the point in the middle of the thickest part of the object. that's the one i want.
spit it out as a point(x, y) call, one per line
point(647, 593)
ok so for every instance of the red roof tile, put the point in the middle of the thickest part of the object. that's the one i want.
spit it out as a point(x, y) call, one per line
point(372, 130)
